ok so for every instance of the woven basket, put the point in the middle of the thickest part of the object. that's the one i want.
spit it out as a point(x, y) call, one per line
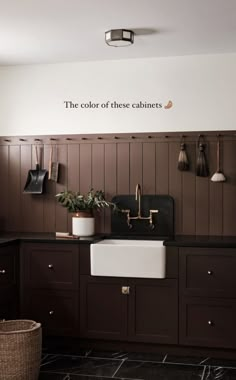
point(20, 349)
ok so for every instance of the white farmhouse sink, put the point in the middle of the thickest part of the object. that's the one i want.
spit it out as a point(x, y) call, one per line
point(128, 258)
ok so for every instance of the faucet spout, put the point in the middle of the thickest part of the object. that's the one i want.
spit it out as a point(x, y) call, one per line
point(138, 198)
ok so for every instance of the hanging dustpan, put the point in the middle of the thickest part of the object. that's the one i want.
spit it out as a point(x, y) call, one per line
point(35, 179)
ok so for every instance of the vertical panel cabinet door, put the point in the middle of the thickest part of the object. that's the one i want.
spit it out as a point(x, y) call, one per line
point(103, 308)
point(153, 311)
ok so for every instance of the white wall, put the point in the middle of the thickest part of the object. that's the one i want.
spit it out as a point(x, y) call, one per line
point(202, 88)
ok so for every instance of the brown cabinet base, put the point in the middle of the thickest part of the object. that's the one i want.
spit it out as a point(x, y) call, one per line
point(131, 310)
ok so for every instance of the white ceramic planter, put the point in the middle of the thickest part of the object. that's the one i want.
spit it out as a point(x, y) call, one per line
point(83, 226)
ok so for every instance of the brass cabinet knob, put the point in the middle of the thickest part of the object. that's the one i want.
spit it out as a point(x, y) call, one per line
point(2, 271)
point(125, 290)
point(51, 312)
point(209, 272)
point(210, 323)
point(50, 266)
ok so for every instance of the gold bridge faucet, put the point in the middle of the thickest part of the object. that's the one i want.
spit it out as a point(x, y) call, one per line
point(139, 217)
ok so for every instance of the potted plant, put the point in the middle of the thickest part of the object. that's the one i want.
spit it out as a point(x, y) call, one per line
point(83, 206)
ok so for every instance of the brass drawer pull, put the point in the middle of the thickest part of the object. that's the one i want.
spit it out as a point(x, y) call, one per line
point(210, 323)
point(51, 312)
point(50, 266)
point(2, 271)
point(209, 272)
point(125, 290)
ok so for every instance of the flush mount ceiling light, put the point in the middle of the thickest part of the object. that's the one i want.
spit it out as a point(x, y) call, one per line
point(119, 37)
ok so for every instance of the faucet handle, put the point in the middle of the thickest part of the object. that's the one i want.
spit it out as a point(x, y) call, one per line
point(153, 211)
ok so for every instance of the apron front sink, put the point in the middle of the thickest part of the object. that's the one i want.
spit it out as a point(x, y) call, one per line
point(128, 258)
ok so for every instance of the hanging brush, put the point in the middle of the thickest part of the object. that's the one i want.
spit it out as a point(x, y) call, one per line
point(202, 169)
point(218, 176)
point(183, 163)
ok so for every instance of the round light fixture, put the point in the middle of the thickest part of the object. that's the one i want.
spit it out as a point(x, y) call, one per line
point(119, 37)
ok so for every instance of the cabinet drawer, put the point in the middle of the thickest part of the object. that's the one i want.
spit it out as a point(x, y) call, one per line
point(208, 272)
point(56, 310)
point(208, 322)
point(7, 267)
point(51, 266)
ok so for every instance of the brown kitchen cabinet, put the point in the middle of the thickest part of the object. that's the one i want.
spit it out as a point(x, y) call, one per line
point(207, 297)
point(9, 268)
point(50, 286)
point(139, 310)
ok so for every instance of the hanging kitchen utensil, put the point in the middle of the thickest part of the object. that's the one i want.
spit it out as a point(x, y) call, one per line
point(183, 163)
point(35, 179)
point(218, 176)
point(53, 167)
point(202, 169)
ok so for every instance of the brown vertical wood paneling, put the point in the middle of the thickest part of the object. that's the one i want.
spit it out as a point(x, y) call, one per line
point(61, 212)
point(26, 199)
point(149, 168)
point(189, 192)
point(202, 200)
point(215, 198)
point(85, 168)
point(14, 189)
point(201, 206)
point(4, 175)
point(49, 200)
point(73, 174)
point(162, 168)
point(229, 193)
point(123, 168)
point(98, 180)
point(136, 166)
point(110, 179)
point(175, 185)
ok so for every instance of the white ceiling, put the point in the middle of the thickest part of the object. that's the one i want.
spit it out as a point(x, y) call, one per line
point(49, 31)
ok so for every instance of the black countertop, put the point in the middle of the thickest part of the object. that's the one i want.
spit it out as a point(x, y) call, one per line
point(201, 241)
point(176, 241)
point(45, 238)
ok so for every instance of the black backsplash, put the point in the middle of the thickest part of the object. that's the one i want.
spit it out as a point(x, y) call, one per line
point(163, 221)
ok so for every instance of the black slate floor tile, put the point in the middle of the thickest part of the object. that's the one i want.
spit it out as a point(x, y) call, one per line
point(107, 354)
point(59, 376)
point(185, 360)
point(219, 373)
point(158, 371)
point(80, 365)
point(221, 362)
point(144, 356)
point(52, 376)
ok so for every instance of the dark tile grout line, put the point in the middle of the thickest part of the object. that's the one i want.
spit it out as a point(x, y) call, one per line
point(203, 373)
point(119, 366)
